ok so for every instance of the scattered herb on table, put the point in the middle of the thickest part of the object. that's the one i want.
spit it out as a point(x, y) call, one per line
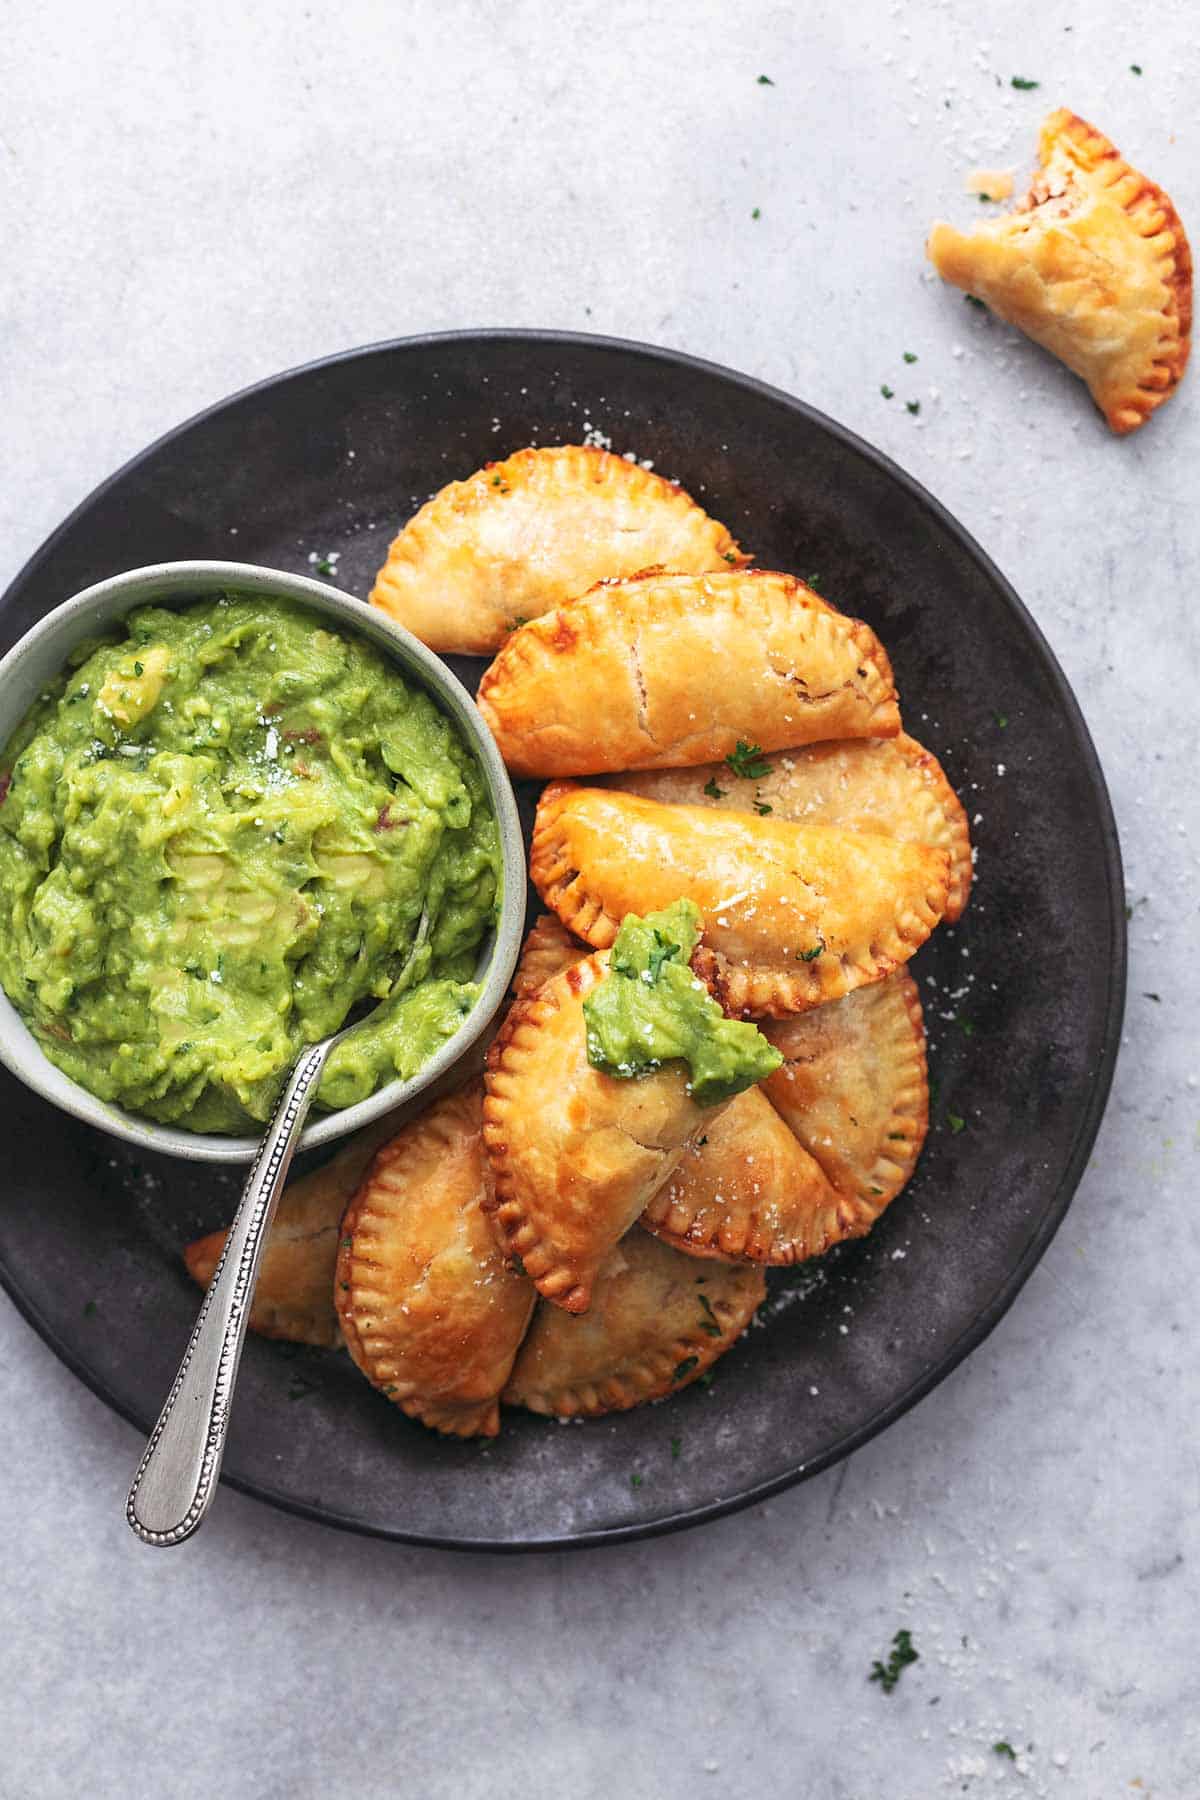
point(748, 762)
point(676, 1447)
point(974, 300)
point(901, 1655)
point(914, 406)
point(1157, 998)
point(90, 1309)
point(1023, 83)
point(887, 392)
point(967, 1027)
point(910, 356)
point(1002, 1747)
point(757, 213)
point(635, 1481)
point(955, 1123)
point(324, 566)
point(765, 80)
point(1001, 720)
point(1135, 68)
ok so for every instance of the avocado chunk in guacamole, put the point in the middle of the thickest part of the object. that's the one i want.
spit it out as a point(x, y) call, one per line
point(650, 1009)
point(218, 833)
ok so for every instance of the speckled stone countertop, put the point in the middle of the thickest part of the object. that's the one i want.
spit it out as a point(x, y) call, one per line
point(199, 197)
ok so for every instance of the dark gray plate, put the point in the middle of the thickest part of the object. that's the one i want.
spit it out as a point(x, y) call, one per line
point(1023, 1000)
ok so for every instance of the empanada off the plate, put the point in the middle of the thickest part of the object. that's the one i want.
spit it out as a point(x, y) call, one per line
point(575, 1153)
point(670, 670)
point(794, 915)
point(889, 785)
point(521, 536)
point(658, 1320)
point(1093, 264)
point(430, 1310)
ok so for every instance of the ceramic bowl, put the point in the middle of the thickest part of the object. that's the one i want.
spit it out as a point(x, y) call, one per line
point(42, 653)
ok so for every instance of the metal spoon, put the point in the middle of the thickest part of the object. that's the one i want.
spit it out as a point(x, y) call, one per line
point(177, 1476)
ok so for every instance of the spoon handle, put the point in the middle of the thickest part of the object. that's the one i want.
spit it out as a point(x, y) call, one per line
point(177, 1476)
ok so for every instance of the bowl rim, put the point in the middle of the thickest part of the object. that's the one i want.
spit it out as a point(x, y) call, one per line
point(111, 599)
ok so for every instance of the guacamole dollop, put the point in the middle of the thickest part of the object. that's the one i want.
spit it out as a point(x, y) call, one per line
point(650, 1009)
point(218, 835)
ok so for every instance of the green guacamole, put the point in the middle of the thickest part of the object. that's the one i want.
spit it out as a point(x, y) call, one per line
point(217, 835)
point(650, 1009)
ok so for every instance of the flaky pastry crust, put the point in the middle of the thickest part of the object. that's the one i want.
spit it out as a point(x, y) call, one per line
point(670, 670)
point(430, 1310)
point(575, 1154)
point(748, 1190)
point(854, 1090)
point(795, 915)
point(521, 536)
point(658, 1320)
point(889, 785)
point(1093, 264)
point(293, 1298)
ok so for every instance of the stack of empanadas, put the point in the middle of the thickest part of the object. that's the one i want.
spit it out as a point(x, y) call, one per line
point(561, 1236)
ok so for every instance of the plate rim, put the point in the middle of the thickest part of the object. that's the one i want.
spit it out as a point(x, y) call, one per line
point(1091, 1113)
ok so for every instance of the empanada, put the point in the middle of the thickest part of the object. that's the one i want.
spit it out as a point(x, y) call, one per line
point(1094, 264)
point(430, 1310)
point(521, 536)
point(658, 1320)
point(795, 915)
point(748, 1190)
point(575, 1154)
point(889, 785)
point(548, 949)
point(669, 670)
point(854, 1089)
point(293, 1298)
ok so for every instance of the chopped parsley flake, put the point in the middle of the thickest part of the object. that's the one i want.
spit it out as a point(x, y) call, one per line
point(730, 555)
point(712, 790)
point(955, 1123)
point(887, 392)
point(635, 1481)
point(709, 1323)
point(901, 1655)
point(748, 762)
point(89, 1309)
point(762, 807)
point(1157, 998)
point(684, 1368)
point(974, 300)
point(1024, 84)
point(910, 356)
point(1001, 719)
point(676, 1447)
point(812, 955)
point(757, 213)
point(966, 1027)
point(1003, 1748)
point(324, 566)
point(765, 80)
point(1135, 68)
point(914, 406)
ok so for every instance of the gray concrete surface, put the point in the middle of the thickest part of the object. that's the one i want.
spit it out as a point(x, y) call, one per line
point(196, 197)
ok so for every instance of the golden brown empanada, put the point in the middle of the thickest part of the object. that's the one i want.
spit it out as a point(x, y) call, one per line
point(431, 1312)
point(1094, 264)
point(889, 785)
point(575, 1154)
point(293, 1298)
point(548, 949)
point(658, 1320)
point(669, 670)
point(854, 1089)
point(747, 1190)
point(795, 915)
point(521, 536)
